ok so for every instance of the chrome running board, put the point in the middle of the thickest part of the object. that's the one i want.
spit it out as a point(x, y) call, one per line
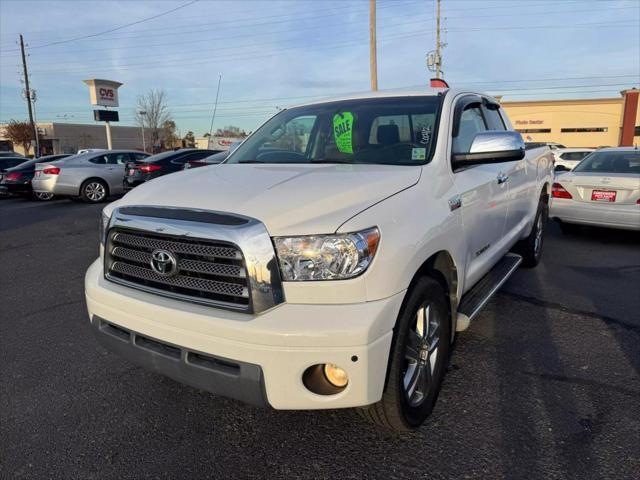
point(476, 298)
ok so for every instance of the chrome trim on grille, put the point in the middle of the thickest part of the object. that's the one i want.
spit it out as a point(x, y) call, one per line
point(228, 266)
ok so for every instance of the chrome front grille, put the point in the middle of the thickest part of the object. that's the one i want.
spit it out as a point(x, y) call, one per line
point(208, 271)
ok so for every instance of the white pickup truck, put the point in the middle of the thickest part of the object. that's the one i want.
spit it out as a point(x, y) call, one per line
point(329, 262)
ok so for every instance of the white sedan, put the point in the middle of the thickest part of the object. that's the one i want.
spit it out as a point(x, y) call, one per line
point(603, 190)
point(569, 158)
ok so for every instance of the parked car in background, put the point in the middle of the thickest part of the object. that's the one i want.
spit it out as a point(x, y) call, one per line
point(551, 145)
point(143, 170)
point(91, 150)
point(17, 180)
point(10, 154)
point(567, 158)
point(91, 177)
point(603, 190)
point(10, 162)
point(214, 159)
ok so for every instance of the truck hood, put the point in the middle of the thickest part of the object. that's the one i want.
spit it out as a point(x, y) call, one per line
point(289, 199)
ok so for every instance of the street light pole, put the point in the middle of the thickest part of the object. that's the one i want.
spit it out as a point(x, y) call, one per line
point(373, 55)
point(142, 114)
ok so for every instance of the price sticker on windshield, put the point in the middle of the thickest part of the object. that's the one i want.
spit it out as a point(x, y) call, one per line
point(343, 131)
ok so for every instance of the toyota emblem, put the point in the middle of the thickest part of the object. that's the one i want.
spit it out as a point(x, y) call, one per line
point(164, 263)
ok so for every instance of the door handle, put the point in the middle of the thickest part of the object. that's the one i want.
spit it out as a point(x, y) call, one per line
point(502, 178)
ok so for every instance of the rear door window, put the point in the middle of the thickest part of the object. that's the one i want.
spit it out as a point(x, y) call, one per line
point(493, 118)
point(117, 158)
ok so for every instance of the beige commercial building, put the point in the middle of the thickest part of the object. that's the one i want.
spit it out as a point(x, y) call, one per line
point(71, 137)
point(593, 122)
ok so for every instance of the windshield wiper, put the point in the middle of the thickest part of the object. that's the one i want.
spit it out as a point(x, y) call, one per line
point(251, 161)
point(330, 160)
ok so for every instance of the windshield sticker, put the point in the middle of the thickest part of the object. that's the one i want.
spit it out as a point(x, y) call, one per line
point(418, 153)
point(342, 131)
point(425, 135)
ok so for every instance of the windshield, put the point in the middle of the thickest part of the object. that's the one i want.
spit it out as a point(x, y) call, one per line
point(611, 161)
point(390, 131)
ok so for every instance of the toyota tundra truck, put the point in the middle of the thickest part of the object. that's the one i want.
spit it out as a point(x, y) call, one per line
point(331, 259)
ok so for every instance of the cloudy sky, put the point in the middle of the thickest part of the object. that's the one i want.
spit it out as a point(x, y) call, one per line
point(276, 53)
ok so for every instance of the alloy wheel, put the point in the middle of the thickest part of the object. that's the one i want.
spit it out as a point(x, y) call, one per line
point(421, 355)
point(95, 191)
point(44, 195)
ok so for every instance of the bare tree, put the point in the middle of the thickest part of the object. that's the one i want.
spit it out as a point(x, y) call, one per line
point(152, 113)
point(231, 131)
point(20, 133)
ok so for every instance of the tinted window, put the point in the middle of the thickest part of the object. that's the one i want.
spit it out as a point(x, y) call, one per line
point(392, 131)
point(611, 162)
point(191, 156)
point(138, 156)
point(493, 118)
point(471, 123)
point(99, 160)
point(9, 162)
point(117, 158)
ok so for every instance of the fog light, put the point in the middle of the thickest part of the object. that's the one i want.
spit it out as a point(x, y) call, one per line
point(335, 375)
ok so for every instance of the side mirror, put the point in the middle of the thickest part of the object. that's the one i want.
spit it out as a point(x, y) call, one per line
point(491, 147)
point(560, 168)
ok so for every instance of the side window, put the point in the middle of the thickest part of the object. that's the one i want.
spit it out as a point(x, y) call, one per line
point(117, 158)
point(138, 156)
point(99, 160)
point(494, 120)
point(471, 123)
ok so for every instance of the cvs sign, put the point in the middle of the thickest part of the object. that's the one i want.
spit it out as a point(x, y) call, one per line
point(103, 92)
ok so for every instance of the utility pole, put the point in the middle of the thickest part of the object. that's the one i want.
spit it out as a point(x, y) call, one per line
point(373, 60)
point(434, 57)
point(438, 46)
point(28, 96)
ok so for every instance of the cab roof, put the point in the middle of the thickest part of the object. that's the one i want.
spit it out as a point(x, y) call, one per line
point(422, 92)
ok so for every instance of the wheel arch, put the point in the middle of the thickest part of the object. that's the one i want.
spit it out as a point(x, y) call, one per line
point(442, 267)
point(100, 179)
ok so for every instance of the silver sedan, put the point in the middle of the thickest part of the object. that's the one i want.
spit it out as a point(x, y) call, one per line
point(91, 176)
point(603, 190)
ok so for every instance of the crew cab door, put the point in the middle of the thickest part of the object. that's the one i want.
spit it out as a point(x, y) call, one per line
point(518, 175)
point(115, 170)
point(482, 192)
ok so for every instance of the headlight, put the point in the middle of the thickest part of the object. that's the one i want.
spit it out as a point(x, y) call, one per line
point(326, 257)
point(104, 223)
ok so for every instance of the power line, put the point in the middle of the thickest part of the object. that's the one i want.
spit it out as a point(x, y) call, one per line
point(232, 56)
point(255, 107)
point(59, 42)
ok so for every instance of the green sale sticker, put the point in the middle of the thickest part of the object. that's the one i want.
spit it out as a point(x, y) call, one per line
point(343, 130)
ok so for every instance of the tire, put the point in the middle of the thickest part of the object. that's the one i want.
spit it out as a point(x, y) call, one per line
point(531, 247)
point(43, 196)
point(568, 228)
point(403, 408)
point(94, 191)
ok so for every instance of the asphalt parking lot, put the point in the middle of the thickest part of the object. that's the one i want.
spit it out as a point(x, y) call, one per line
point(544, 384)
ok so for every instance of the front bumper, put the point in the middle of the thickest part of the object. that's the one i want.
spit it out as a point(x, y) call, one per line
point(275, 347)
point(609, 215)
